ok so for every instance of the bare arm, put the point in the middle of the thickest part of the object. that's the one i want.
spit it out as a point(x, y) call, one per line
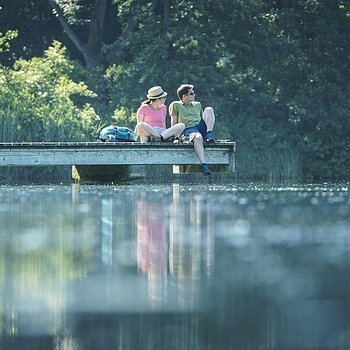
point(139, 117)
point(173, 118)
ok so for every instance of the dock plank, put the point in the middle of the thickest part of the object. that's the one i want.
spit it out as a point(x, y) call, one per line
point(91, 155)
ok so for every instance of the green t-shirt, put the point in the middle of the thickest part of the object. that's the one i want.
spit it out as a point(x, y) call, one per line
point(189, 114)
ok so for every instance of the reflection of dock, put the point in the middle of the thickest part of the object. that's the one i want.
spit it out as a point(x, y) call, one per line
point(95, 157)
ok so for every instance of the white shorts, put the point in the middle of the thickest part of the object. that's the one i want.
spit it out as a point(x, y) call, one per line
point(158, 129)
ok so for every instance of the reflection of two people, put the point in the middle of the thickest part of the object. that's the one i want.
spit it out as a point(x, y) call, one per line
point(191, 245)
point(152, 247)
point(191, 250)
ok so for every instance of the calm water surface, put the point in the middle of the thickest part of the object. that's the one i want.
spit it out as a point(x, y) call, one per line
point(208, 266)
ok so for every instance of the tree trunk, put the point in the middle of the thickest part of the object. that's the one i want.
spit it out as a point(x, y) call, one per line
point(94, 56)
point(92, 49)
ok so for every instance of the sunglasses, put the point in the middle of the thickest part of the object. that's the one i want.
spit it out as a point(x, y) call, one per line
point(190, 93)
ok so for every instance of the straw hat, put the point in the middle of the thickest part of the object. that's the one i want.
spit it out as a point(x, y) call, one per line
point(156, 92)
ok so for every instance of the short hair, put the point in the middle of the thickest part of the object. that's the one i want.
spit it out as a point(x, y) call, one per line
point(183, 90)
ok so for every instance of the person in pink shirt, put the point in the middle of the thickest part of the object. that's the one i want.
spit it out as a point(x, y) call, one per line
point(151, 118)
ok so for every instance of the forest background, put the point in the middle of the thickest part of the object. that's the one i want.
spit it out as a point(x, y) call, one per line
point(275, 71)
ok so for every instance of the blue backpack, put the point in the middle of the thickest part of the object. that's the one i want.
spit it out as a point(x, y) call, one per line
point(116, 134)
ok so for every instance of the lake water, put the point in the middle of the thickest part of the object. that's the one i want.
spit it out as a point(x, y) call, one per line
point(175, 266)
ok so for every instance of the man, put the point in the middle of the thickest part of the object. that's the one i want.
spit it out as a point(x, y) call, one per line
point(198, 124)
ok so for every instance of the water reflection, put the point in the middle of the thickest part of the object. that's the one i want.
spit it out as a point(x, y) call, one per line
point(174, 233)
point(191, 245)
point(152, 245)
point(174, 266)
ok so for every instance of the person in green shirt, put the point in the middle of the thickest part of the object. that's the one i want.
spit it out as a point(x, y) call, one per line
point(199, 124)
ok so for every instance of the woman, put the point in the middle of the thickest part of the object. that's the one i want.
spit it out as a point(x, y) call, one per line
point(151, 118)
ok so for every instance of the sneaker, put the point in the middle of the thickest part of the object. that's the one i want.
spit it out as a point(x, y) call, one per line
point(156, 139)
point(177, 140)
point(185, 140)
point(169, 139)
point(205, 169)
point(209, 137)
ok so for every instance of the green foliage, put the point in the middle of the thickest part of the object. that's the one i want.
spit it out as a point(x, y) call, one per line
point(74, 10)
point(35, 24)
point(122, 118)
point(5, 39)
point(275, 72)
point(40, 102)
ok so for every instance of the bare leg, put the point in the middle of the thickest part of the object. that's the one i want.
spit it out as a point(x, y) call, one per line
point(143, 139)
point(146, 130)
point(198, 147)
point(175, 130)
point(136, 131)
point(209, 118)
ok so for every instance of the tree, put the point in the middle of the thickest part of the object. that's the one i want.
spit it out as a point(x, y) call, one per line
point(35, 26)
point(41, 101)
point(91, 50)
point(124, 20)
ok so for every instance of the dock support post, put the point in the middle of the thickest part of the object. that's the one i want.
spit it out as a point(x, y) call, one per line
point(101, 173)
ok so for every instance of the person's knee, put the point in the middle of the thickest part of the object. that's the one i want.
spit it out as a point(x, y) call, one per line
point(142, 128)
point(141, 125)
point(209, 110)
point(198, 137)
point(181, 126)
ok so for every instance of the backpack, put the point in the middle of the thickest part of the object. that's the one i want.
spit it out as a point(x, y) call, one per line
point(116, 134)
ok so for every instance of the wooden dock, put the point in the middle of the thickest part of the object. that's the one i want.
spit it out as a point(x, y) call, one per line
point(88, 156)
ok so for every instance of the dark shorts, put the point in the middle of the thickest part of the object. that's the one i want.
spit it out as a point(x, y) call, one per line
point(201, 128)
